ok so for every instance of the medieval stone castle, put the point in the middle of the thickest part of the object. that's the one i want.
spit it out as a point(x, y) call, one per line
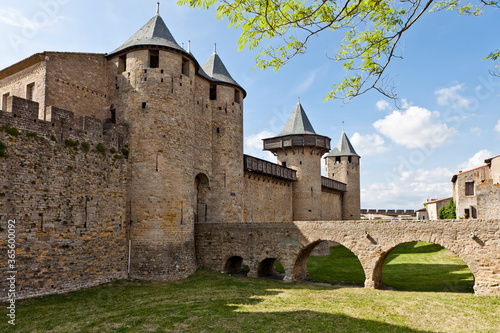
point(110, 162)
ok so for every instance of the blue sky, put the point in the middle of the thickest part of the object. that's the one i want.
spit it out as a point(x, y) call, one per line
point(451, 121)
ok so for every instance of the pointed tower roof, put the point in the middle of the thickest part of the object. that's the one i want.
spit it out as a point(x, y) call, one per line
point(298, 123)
point(344, 147)
point(215, 69)
point(155, 32)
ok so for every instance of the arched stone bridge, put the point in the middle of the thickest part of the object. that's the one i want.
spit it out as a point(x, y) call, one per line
point(225, 246)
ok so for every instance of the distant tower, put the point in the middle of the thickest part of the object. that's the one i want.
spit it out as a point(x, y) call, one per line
point(342, 164)
point(299, 147)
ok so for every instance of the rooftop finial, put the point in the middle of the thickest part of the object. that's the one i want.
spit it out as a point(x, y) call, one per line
point(158, 8)
point(189, 46)
point(182, 45)
point(215, 48)
point(298, 99)
point(342, 126)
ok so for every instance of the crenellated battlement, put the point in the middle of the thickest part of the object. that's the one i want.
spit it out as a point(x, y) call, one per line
point(61, 124)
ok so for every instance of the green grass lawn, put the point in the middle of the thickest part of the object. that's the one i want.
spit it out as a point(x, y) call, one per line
point(415, 266)
point(213, 302)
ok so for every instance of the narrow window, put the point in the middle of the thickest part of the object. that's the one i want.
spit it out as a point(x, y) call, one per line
point(144, 105)
point(185, 66)
point(4, 101)
point(467, 213)
point(469, 188)
point(218, 130)
point(349, 159)
point(283, 164)
point(30, 90)
point(122, 63)
point(473, 212)
point(236, 96)
point(213, 92)
point(337, 159)
point(41, 221)
point(154, 58)
point(113, 115)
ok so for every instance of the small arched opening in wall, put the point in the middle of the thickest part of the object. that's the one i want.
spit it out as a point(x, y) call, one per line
point(328, 262)
point(421, 266)
point(234, 266)
point(202, 190)
point(271, 268)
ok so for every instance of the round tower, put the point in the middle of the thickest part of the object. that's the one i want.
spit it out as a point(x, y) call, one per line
point(299, 147)
point(342, 164)
point(152, 84)
point(226, 101)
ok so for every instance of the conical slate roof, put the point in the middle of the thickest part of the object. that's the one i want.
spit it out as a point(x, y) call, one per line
point(298, 123)
point(344, 147)
point(215, 69)
point(155, 32)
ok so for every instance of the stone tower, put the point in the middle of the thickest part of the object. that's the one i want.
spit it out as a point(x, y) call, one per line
point(185, 125)
point(342, 164)
point(299, 147)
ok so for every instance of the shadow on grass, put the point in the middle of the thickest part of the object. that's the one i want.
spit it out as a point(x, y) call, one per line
point(207, 301)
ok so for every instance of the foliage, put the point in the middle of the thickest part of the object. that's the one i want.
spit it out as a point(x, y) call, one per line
point(53, 138)
point(100, 148)
point(71, 144)
point(11, 130)
point(112, 150)
point(448, 212)
point(125, 152)
point(3, 152)
point(372, 33)
point(31, 134)
point(85, 146)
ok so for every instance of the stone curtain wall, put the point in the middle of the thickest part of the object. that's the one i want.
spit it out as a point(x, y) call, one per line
point(476, 242)
point(69, 205)
point(266, 198)
point(488, 200)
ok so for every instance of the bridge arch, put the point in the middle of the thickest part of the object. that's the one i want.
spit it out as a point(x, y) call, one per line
point(233, 265)
point(266, 267)
point(299, 271)
point(376, 276)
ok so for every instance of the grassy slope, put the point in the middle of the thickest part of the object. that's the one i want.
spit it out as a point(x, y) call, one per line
point(212, 302)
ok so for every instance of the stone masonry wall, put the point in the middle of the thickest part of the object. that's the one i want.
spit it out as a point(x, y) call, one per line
point(331, 205)
point(488, 200)
point(69, 204)
point(266, 198)
point(77, 82)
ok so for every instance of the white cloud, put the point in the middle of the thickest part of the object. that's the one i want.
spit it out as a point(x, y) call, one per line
point(475, 161)
point(409, 189)
point(476, 130)
point(382, 105)
point(415, 128)
point(253, 146)
point(497, 127)
point(450, 96)
point(41, 18)
point(370, 144)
